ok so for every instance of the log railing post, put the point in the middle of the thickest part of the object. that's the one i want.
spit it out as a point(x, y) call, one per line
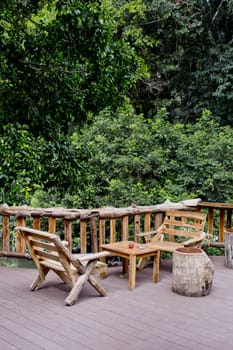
point(52, 224)
point(68, 232)
point(221, 225)
point(125, 228)
point(102, 231)
point(137, 224)
point(6, 233)
point(210, 221)
point(20, 243)
point(229, 218)
point(36, 222)
point(102, 238)
point(83, 236)
point(158, 220)
point(147, 222)
point(112, 230)
point(94, 238)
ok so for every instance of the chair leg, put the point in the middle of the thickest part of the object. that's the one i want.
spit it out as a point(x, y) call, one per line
point(86, 276)
point(97, 286)
point(63, 277)
point(75, 291)
point(156, 264)
point(39, 279)
point(141, 264)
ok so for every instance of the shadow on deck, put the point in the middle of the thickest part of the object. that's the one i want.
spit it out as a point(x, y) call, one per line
point(150, 317)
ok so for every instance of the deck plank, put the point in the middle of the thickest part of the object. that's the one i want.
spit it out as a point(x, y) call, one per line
point(149, 317)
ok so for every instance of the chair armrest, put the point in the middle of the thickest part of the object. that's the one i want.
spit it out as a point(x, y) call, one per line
point(143, 234)
point(192, 241)
point(90, 256)
point(155, 232)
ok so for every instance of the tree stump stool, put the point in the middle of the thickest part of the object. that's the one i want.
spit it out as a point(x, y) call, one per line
point(192, 272)
point(228, 248)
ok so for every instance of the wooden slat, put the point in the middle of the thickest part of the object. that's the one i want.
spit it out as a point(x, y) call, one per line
point(158, 220)
point(45, 245)
point(124, 228)
point(137, 224)
point(83, 236)
point(52, 264)
point(181, 233)
point(112, 230)
point(102, 231)
point(210, 220)
point(68, 232)
point(186, 214)
point(6, 233)
point(20, 243)
point(36, 222)
point(147, 222)
point(94, 238)
point(52, 224)
point(37, 233)
point(177, 223)
point(47, 255)
point(221, 225)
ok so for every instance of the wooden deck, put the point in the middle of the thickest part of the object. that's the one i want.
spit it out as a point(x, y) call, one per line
point(150, 317)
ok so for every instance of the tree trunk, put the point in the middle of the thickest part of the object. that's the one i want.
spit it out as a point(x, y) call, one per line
point(229, 248)
point(192, 273)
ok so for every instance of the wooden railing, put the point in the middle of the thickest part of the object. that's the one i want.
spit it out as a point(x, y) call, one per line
point(93, 227)
point(218, 215)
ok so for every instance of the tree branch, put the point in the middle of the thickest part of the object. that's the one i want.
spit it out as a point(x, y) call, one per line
point(217, 12)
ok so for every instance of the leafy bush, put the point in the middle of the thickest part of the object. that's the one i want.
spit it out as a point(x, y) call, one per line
point(20, 168)
point(30, 164)
point(127, 159)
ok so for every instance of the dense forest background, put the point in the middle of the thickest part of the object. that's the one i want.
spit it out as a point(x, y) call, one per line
point(115, 102)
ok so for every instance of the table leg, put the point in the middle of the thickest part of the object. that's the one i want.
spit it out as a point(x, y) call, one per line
point(156, 261)
point(125, 265)
point(132, 271)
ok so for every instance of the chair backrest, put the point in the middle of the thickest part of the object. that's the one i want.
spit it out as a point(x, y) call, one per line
point(44, 246)
point(185, 224)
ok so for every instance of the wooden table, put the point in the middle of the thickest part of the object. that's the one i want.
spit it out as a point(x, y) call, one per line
point(130, 256)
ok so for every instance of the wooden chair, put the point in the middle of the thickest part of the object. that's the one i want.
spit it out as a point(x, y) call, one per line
point(179, 229)
point(50, 253)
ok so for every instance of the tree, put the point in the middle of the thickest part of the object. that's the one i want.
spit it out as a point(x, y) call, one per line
point(190, 60)
point(203, 162)
point(127, 159)
point(62, 61)
point(30, 163)
point(20, 169)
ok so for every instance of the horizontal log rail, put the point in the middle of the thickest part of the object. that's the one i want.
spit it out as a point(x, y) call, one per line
point(99, 226)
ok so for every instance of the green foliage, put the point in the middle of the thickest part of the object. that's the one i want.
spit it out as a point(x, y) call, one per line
point(67, 65)
point(214, 251)
point(190, 61)
point(30, 163)
point(205, 160)
point(128, 159)
point(62, 61)
point(213, 83)
point(20, 168)
point(116, 150)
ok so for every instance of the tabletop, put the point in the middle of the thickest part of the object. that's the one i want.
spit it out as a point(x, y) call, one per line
point(124, 247)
